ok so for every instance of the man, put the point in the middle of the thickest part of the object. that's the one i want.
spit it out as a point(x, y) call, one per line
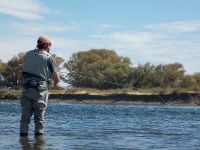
point(38, 69)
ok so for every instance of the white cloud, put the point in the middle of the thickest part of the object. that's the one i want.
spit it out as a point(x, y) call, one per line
point(12, 45)
point(24, 9)
point(141, 47)
point(132, 37)
point(154, 47)
point(32, 28)
point(104, 26)
point(136, 37)
point(154, 51)
point(179, 26)
point(66, 45)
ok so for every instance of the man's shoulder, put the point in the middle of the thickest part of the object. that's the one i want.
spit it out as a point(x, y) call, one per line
point(45, 53)
point(52, 60)
point(29, 52)
point(39, 52)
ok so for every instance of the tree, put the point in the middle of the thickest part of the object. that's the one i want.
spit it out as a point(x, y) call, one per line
point(13, 70)
point(188, 81)
point(98, 68)
point(59, 60)
point(2, 67)
point(196, 76)
point(173, 73)
point(159, 75)
point(144, 76)
point(2, 71)
point(150, 76)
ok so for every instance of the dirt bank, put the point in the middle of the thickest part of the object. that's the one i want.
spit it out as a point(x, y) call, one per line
point(173, 98)
point(147, 99)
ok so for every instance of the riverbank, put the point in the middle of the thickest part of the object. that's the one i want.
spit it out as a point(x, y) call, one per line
point(134, 98)
point(139, 99)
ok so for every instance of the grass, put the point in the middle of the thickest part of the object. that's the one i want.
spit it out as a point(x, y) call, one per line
point(153, 91)
point(11, 93)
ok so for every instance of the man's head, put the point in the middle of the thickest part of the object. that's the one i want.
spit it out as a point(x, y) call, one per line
point(44, 43)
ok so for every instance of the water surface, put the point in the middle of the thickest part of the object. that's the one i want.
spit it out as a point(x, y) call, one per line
point(89, 126)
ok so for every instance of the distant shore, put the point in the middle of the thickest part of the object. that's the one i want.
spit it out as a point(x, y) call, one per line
point(187, 98)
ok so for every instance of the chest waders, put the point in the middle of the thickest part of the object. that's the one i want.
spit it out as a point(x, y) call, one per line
point(34, 97)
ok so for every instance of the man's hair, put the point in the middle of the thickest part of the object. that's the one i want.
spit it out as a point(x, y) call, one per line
point(43, 42)
point(40, 45)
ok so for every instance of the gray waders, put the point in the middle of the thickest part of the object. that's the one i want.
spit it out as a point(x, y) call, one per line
point(33, 102)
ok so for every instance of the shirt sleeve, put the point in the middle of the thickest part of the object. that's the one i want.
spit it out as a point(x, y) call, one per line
point(52, 65)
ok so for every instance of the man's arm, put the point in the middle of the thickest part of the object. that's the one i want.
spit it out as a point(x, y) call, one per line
point(54, 70)
point(55, 77)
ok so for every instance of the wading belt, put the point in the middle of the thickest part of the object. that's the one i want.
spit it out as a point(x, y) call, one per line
point(37, 83)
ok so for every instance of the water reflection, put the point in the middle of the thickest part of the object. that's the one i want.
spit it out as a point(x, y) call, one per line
point(38, 143)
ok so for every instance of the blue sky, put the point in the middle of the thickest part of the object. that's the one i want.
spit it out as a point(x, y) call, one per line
point(155, 31)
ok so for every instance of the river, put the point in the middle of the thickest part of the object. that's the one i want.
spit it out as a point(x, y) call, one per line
point(106, 127)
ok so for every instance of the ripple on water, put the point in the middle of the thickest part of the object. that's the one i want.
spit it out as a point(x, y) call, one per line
point(87, 126)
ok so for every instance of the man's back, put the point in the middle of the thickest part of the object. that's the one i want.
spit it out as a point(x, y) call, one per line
point(36, 63)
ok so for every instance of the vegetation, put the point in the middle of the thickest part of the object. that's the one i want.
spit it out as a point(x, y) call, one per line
point(104, 70)
point(101, 69)
point(10, 93)
point(11, 71)
point(151, 76)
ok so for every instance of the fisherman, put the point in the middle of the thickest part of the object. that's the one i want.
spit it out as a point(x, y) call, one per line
point(38, 70)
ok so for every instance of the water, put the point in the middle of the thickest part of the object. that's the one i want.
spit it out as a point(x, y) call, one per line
point(106, 127)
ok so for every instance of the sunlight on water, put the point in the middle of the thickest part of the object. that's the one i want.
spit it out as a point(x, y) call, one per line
point(88, 126)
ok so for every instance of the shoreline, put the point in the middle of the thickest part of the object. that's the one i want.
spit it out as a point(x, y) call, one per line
point(129, 99)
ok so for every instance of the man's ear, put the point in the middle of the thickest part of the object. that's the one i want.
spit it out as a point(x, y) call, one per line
point(46, 46)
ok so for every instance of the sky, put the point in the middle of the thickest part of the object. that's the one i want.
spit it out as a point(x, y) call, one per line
point(155, 31)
